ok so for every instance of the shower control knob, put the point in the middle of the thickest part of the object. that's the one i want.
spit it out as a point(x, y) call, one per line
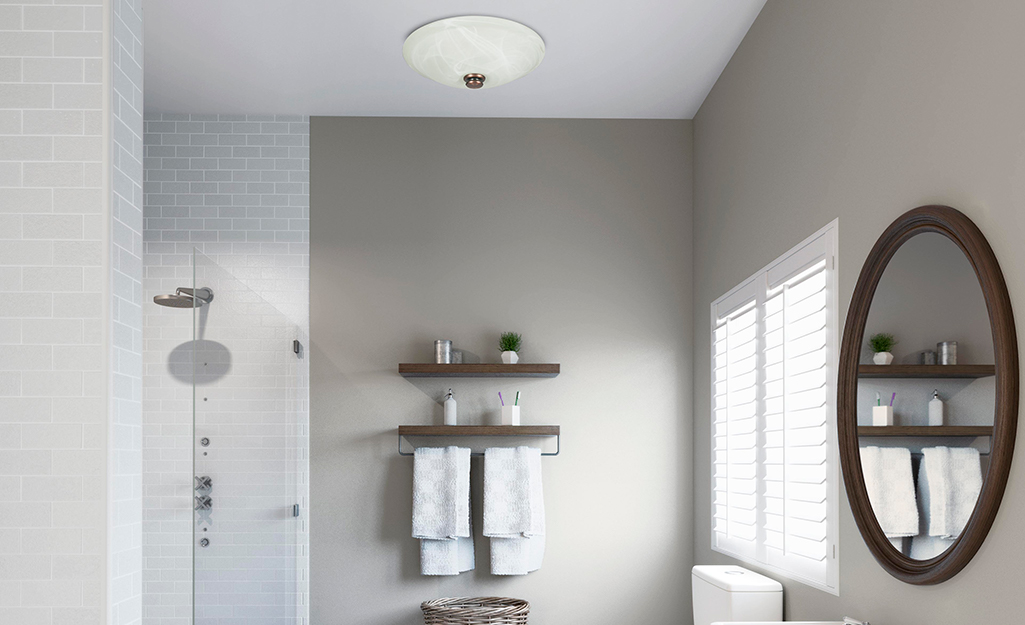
point(204, 502)
point(203, 482)
point(204, 542)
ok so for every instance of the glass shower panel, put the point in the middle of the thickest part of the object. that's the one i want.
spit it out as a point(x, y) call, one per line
point(250, 413)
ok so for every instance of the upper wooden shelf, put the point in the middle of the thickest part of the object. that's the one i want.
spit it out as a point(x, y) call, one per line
point(925, 430)
point(926, 371)
point(479, 430)
point(432, 370)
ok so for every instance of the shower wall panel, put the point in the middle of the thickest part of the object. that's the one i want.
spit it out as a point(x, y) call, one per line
point(237, 189)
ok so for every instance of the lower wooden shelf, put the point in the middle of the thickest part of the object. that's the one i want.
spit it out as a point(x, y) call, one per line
point(449, 431)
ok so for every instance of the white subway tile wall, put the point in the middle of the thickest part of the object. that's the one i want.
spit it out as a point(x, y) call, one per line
point(237, 189)
point(54, 379)
point(125, 575)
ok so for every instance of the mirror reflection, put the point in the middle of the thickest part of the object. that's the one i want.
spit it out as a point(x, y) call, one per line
point(926, 396)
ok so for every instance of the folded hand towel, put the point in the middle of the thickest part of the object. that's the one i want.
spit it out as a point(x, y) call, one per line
point(949, 483)
point(516, 556)
point(891, 489)
point(514, 515)
point(441, 510)
point(446, 556)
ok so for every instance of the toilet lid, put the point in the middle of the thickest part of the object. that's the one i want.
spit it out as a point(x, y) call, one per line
point(736, 579)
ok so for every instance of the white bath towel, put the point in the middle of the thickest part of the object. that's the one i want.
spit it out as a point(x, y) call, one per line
point(441, 510)
point(891, 490)
point(514, 514)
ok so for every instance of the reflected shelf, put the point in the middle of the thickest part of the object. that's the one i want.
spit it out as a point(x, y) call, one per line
point(926, 371)
point(925, 430)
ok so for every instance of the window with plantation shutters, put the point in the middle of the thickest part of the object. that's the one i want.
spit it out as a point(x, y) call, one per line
point(774, 460)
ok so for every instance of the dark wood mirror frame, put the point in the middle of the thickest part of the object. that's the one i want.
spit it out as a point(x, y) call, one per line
point(966, 235)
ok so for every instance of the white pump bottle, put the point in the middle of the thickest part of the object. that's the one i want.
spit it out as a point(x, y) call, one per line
point(450, 409)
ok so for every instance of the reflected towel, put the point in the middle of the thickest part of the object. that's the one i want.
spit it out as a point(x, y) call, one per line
point(925, 547)
point(949, 483)
point(891, 489)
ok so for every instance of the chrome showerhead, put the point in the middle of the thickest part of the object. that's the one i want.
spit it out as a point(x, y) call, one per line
point(185, 298)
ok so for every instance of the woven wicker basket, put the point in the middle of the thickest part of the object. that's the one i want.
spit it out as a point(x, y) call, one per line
point(475, 611)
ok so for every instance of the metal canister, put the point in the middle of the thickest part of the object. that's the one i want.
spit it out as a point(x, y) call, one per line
point(443, 352)
point(928, 358)
point(947, 352)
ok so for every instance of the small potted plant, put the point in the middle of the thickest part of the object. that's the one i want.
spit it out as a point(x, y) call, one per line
point(881, 344)
point(509, 344)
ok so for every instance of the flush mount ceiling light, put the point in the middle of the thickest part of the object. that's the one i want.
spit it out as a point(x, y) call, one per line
point(473, 51)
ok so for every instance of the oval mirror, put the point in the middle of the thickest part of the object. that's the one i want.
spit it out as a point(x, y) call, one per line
point(927, 404)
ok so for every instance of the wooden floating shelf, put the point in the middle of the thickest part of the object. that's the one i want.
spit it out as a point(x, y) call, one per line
point(478, 430)
point(482, 431)
point(925, 430)
point(926, 371)
point(432, 370)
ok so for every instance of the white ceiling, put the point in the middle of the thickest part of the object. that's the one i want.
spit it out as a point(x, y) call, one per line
point(604, 59)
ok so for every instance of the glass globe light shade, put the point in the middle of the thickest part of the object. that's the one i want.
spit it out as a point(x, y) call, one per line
point(457, 50)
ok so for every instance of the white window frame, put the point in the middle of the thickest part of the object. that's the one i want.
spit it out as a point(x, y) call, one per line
point(758, 286)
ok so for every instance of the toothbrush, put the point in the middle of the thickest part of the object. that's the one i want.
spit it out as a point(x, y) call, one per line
point(500, 398)
point(893, 398)
point(517, 402)
point(879, 400)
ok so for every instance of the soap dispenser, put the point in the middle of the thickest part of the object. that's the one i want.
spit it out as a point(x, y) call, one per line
point(450, 408)
point(936, 409)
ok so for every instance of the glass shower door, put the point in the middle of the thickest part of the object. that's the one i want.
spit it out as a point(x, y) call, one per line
point(249, 457)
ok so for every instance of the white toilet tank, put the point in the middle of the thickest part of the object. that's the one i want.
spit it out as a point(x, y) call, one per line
point(733, 593)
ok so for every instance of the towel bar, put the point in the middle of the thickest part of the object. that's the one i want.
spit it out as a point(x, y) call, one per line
point(481, 431)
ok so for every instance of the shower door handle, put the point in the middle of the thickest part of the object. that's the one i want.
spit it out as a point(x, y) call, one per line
point(204, 502)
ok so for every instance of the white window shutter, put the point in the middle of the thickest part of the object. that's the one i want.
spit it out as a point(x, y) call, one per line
point(735, 428)
point(775, 478)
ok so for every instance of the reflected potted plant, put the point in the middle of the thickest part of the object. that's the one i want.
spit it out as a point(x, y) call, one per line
point(509, 344)
point(881, 344)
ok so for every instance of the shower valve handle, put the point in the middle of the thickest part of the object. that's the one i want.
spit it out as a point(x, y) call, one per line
point(204, 502)
point(203, 482)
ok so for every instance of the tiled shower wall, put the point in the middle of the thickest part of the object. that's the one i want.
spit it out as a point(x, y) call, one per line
point(237, 189)
point(126, 313)
point(53, 325)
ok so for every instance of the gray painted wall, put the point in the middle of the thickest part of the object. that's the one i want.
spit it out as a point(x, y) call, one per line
point(862, 111)
point(576, 233)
